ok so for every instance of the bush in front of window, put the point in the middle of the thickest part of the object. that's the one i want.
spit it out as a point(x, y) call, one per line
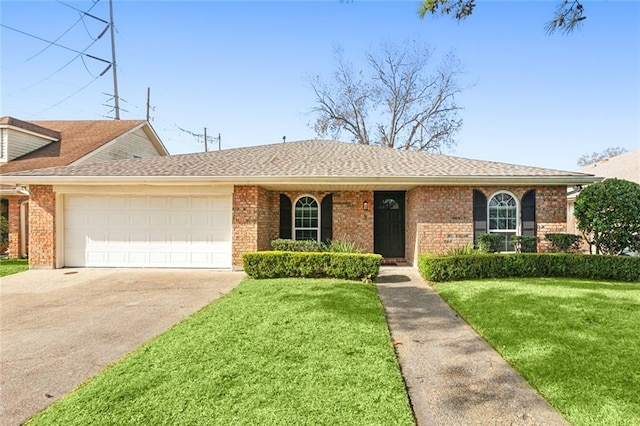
point(343, 246)
point(525, 243)
point(491, 243)
point(338, 246)
point(564, 243)
point(290, 264)
point(468, 267)
point(297, 245)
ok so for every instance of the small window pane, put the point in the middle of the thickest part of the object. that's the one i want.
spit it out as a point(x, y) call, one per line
point(306, 234)
point(389, 204)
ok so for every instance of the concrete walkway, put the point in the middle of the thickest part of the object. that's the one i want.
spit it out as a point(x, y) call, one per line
point(453, 376)
point(60, 327)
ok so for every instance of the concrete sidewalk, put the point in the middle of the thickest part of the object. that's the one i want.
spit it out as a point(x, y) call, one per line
point(453, 376)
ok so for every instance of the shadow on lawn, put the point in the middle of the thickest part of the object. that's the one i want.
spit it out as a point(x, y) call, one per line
point(559, 335)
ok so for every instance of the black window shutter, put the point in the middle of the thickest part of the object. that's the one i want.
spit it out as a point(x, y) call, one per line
point(479, 215)
point(285, 217)
point(326, 218)
point(529, 213)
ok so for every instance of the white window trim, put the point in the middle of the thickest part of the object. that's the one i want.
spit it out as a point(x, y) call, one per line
point(293, 217)
point(518, 218)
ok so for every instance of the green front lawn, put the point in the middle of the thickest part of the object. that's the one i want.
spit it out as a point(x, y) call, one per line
point(13, 266)
point(576, 341)
point(272, 352)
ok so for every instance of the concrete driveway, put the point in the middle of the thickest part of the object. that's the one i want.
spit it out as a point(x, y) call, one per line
point(60, 327)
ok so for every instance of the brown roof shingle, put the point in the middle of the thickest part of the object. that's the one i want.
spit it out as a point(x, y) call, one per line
point(305, 159)
point(76, 139)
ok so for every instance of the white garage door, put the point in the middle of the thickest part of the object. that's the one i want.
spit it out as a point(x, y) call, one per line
point(147, 231)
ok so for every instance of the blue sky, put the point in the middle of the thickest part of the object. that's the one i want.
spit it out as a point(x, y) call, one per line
point(238, 68)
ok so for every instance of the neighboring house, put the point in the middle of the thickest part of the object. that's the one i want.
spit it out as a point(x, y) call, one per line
point(207, 209)
point(30, 145)
point(624, 166)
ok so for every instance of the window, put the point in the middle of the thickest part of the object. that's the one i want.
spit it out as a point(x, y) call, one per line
point(503, 217)
point(306, 223)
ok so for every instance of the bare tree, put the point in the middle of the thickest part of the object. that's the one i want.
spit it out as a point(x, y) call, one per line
point(398, 102)
point(569, 14)
point(594, 157)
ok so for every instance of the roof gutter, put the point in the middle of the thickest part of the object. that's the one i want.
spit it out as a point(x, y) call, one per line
point(582, 179)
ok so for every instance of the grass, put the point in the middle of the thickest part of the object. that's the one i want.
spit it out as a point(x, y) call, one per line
point(13, 266)
point(272, 352)
point(576, 341)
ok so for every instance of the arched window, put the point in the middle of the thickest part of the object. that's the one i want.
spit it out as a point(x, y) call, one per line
point(306, 219)
point(503, 217)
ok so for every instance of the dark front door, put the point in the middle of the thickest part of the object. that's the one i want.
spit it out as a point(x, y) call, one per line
point(388, 223)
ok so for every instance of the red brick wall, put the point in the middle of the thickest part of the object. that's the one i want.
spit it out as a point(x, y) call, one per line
point(251, 221)
point(551, 213)
point(437, 217)
point(13, 245)
point(42, 225)
point(440, 217)
point(264, 219)
point(350, 222)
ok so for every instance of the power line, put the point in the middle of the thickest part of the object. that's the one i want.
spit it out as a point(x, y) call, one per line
point(68, 97)
point(83, 12)
point(64, 33)
point(55, 44)
point(79, 55)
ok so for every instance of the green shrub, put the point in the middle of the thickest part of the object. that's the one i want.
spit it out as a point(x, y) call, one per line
point(461, 250)
point(282, 264)
point(455, 268)
point(297, 245)
point(490, 243)
point(525, 243)
point(564, 243)
point(343, 246)
point(4, 230)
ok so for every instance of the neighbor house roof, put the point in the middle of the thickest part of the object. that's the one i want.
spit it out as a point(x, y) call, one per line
point(71, 140)
point(311, 161)
point(624, 166)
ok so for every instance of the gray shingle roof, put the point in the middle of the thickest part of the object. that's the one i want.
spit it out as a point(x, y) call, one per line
point(624, 166)
point(304, 159)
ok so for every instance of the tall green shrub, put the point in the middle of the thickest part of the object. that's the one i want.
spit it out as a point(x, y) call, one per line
point(608, 215)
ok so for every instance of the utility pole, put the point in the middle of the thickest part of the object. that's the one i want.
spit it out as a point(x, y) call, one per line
point(205, 140)
point(219, 142)
point(113, 62)
point(148, 101)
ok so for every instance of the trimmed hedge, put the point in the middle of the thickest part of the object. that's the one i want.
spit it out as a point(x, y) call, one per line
point(455, 268)
point(284, 264)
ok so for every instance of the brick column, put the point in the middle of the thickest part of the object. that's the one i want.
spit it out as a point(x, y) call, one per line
point(42, 227)
point(245, 222)
point(14, 225)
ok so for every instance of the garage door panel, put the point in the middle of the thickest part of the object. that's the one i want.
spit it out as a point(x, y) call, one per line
point(121, 231)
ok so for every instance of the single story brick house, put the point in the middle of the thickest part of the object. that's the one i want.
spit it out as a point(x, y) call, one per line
point(29, 145)
point(207, 209)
